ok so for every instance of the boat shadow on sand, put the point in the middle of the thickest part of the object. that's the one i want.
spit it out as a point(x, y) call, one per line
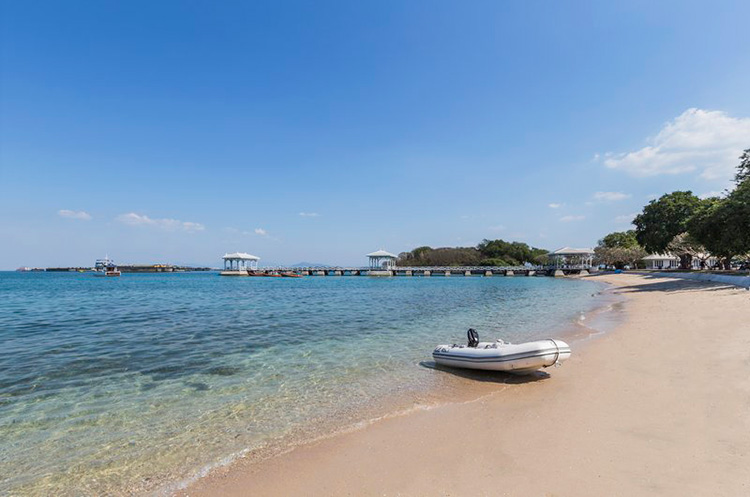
point(488, 376)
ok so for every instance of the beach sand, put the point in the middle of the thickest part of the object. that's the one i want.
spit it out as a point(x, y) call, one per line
point(658, 406)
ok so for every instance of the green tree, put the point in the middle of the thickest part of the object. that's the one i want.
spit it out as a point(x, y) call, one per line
point(743, 170)
point(737, 218)
point(710, 226)
point(618, 249)
point(664, 219)
point(723, 225)
point(620, 239)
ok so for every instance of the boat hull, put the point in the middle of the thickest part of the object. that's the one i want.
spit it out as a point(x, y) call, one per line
point(523, 358)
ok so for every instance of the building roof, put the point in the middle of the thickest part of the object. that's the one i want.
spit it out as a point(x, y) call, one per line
point(660, 257)
point(242, 256)
point(572, 251)
point(381, 253)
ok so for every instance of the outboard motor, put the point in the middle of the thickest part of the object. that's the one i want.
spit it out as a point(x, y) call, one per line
point(473, 337)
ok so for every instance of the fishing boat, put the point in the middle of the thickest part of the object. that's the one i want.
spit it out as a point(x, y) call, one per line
point(521, 358)
point(106, 267)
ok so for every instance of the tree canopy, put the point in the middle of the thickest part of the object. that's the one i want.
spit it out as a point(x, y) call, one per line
point(681, 223)
point(618, 249)
point(486, 253)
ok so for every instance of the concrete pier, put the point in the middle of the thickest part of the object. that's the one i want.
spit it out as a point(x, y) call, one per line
point(377, 272)
point(416, 271)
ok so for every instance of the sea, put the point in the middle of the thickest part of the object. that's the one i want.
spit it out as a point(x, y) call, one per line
point(141, 384)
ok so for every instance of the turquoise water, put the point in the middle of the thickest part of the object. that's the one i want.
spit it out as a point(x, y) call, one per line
point(120, 385)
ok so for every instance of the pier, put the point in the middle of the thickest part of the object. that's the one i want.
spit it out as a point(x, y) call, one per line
point(427, 271)
point(566, 262)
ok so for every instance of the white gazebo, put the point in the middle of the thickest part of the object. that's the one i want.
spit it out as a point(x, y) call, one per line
point(381, 259)
point(574, 258)
point(238, 263)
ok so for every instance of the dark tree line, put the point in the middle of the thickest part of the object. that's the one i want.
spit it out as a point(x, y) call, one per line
point(486, 253)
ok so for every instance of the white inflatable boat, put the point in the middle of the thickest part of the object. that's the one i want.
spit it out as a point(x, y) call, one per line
point(522, 358)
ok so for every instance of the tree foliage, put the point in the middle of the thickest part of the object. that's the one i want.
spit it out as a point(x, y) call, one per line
point(688, 227)
point(743, 170)
point(486, 253)
point(619, 249)
point(620, 239)
point(664, 219)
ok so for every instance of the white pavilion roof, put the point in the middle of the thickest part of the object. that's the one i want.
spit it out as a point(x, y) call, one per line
point(572, 251)
point(242, 256)
point(381, 253)
point(660, 257)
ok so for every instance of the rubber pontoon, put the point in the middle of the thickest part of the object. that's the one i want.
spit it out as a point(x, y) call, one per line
point(522, 358)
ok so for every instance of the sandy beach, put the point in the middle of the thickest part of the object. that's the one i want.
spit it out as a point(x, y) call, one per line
point(658, 406)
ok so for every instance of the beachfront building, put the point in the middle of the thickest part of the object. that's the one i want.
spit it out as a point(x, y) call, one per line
point(661, 261)
point(670, 261)
point(238, 263)
point(381, 259)
point(572, 258)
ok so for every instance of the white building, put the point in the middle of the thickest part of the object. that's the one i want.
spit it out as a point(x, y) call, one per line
point(381, 259)
point(670, 261)
point(238, 263)
point(574, 258)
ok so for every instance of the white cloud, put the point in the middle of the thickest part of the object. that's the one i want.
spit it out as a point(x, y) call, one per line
point(626, 218)
point(81, 215)
point(499, 227)
point(309, 214)
point(554, 206)
point(133, 219)
point(713, 193)
point(261, 232)
point(568, 219)
point(611, 196)
point(705, 141)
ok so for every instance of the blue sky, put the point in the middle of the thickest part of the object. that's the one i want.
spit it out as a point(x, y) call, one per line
point(320, 131)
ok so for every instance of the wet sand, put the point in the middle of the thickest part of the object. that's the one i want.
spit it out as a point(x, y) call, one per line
point(659, 406)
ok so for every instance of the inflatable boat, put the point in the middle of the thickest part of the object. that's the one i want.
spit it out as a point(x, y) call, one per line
point(521, 358)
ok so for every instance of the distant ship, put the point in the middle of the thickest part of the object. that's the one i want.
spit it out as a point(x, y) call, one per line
point(106, 267)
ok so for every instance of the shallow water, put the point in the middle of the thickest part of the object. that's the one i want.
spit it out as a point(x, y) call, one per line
point(119, 385)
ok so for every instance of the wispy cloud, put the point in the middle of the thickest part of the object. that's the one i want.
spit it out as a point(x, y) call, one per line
point(80, 215)
point(625, 218)
point(499, 227)
point(309, 214)
point(554, 206)
point(611, 196)
point(261, 232)
point(569, 219)
point(713, 193)
point(705, 141)
point(133, 219)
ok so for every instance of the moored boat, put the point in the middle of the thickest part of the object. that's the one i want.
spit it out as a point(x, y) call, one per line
point(106, 267)
point(522, 358)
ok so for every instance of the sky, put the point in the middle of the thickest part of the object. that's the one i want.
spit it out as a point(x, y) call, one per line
point(320, 131)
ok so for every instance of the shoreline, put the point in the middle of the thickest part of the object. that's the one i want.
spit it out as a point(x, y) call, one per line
point(379, 458)
point(456, 387)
